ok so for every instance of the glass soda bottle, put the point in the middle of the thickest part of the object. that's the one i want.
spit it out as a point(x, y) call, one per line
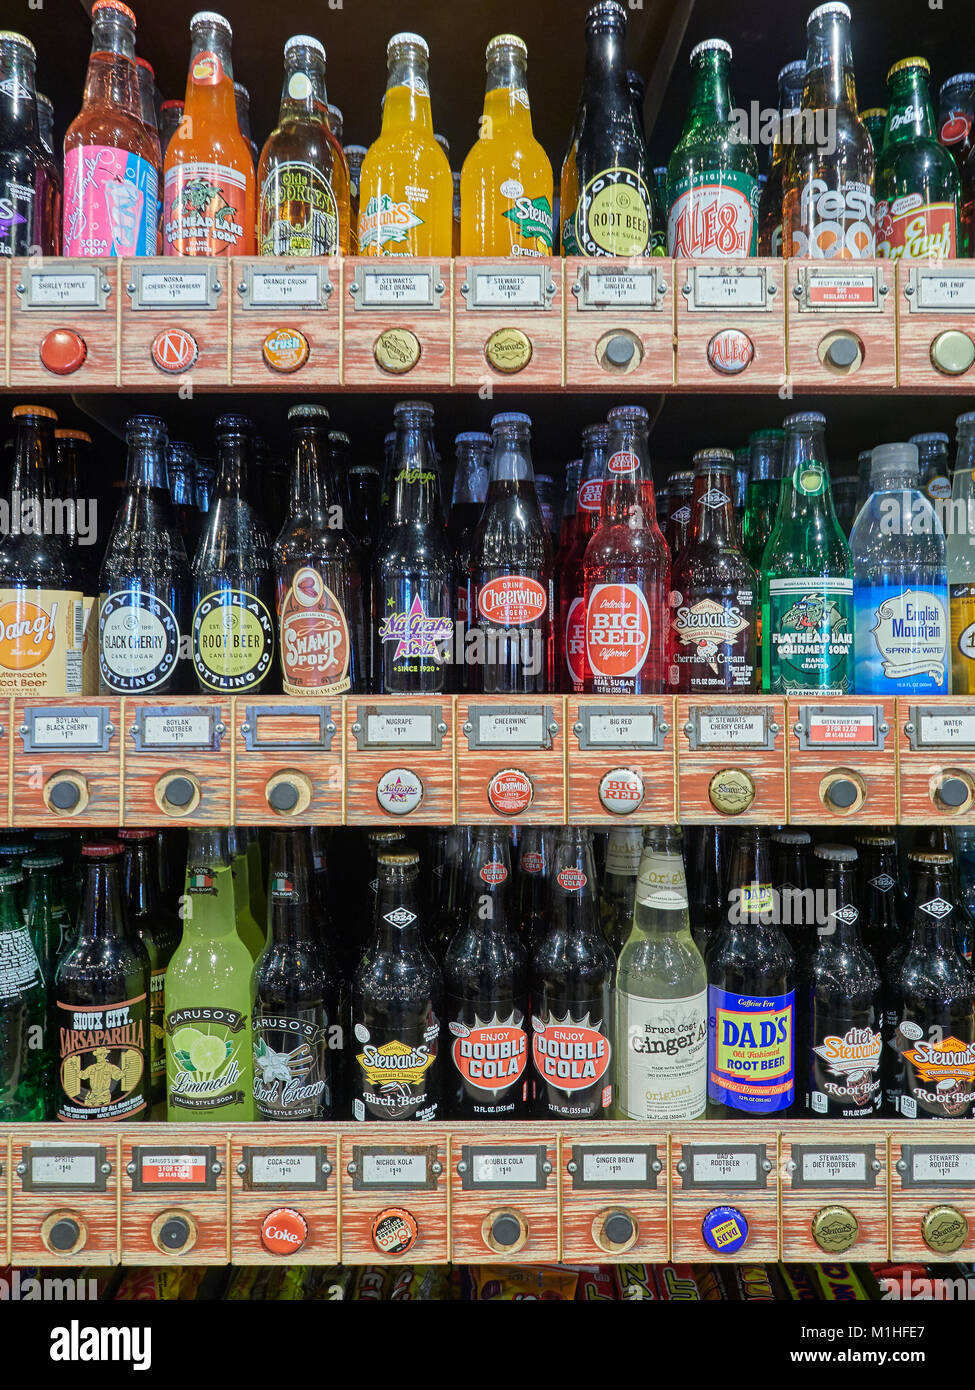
point(511, 572)
point(829, 210)
point(624, 846)
point(45, 912)
point(900, 583)
point(706, 864)
point(111, 177)
point(712, 178)
point(55, 175)
point(614, 204)
point(486, 994)
point(661, 995)
point(961, 560)
point(233, 594)
point(532, 883)
point(762, 494)
point(354, 155)
point(413, 571)
point(101, 1004)
point(626, 570)
point(27, 198)
point(406, 192)
point(714, 591)
point(170, 120)
point(956, 115)
point(918, 187)
point(473, 455)
point(250, 928)
point(680, 486)
point(302, 176)
point(935, 469)
point(506, 180)
point(807, 575)
point(569, 576)
point(145, 921)
point(209, 199)
point(568, 510)
point(314, 567)
point(26, 1053)
point(145, 576)
point(875, 120)
point(791, 80)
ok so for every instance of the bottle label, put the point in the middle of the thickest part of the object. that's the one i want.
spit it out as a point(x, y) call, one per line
point(298, 213)
point(712, 642)
point(204, 209)
point(623, 853)
point(394, 1072)
point(233, 640)
point(908, 229)
point(831, 223)
point(575, 644)
point(810, 634)
point(42, 638)
point(207, 1059)
point(315, 644)
point(613, 216)
point(938, 1073)
point(573, 1054)
point(955, 126)
point(385, 222)
point(618, 633)
point(751, 1050)
point(207, 69)
point(513, 600)
point(591, 495)
point(962, 639)
point(901, 640)
point(845, 1073)
point(17, 205)
point(415, 639)
point(110, 203)
point(292, 1068)
point(102, 1051)
point(157, 1025)
point(138, 641)
point(661, 883)
point(531, 220)
point(714, 215)
point(663, 1075)
point(19, 966)
point(489, 1055)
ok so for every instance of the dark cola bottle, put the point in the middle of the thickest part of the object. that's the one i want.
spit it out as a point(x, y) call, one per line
point(509, 636)
point(706, 864)
point(843, 1008)
point(794, 899)
point(532, 883)
point(879, 893)
point(473, 451)
point(486, 994)
point(27, 206)
point(362, 490)
point(447, 888)
point(413, 568)
point(569, 577)
point(930, 1022)
point(158, 934)
point(572, 973)
point(143, 613)
point(397, 996)
point(297, 1028)
point(677, 516)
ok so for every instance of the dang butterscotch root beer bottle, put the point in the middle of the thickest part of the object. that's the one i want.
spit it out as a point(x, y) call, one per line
point(209, 202)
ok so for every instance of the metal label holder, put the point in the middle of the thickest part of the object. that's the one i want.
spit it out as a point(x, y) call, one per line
point(70, 1153)
point(146, 744)
point(582, 1183)
point(701, 290)
point(734, 1181)
point(99, 743)
point(807, 717)
point(478, 293)
point(203, 1153)
point(428, 1153)
point(250, 729)
point(199, 286)
point(475, 740)
point(318, 1153)
point(698, 714)
point(421, 287)
point(590, 741)
point(366, 743)
point(88, 294)
point(471, 1153)
point(311, 287)
point(868, 1152)
point(917, 714)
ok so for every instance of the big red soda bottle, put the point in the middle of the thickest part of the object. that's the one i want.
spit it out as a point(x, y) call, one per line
point(571, 635)
point(627, 570)
point(507, 646)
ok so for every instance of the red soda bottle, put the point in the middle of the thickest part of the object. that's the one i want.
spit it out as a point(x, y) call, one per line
point(571, 636)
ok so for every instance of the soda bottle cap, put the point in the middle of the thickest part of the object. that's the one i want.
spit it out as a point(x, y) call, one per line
point(930, 856)
point(101, 849)
point(41, 861)
point(791, 837)
point(960, 79)
point(306, 409)
point(877, 841)
point(171, 105)
point(793, 69)
point(472, 437)
point(595, 434)
point(506, 41)
point(144, 63)
point(115, 5)
point(920, 64)
point(965, 421)
point(893, 458)
point(871, 111)
point(338, 437)
point(146, 424)
point(9, 877)
point(635, 413)
point(303, 41)
point(408, 40)
point(933, 438)
point(9, 36)
point(711, 45)
point(42, 412)
point(358, 150)
point(334, 112)
point(233, 424)
point(510, 419)
point(82, 436)
point(836, 854)
point(137, 834)
point(412, 408)
point(206, 17)
point(402, 859)
point(680, 475)
point(705, 458)
point(606, 15)
point(834, 7)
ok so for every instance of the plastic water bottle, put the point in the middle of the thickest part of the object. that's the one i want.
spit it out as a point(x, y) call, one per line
point(900, 584)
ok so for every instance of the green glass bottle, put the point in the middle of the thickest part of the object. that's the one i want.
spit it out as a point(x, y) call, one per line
point(209, 995)
point(140, 884)
point(875, 119)
point(918, 187)
point(807, 578)
point(255, 876)
point(762, 495)
point(24, 1057)
point(712, 178)
point(45, 914)
point(249, 929)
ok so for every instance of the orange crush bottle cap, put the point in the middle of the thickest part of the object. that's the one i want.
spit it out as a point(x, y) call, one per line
point(44, 411)
point(114, 5)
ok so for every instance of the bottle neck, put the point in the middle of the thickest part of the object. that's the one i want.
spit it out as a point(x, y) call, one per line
point(18, 96)
point(289, 888)
point(210, 81)
point(661, 907)
point(750, 901)
point(233, 479)
point(101, 905)
point(146, 468)
point(829, 65)
point(397, 911)
point(713, 509)
point(303, 95)
point(407, 92)
point(139, 879)
point(765, 464)
point(511, 460)
point(490, 881)
point(470, 479)
point(11, 917)
point(209, 885)
point(842, 930)
point(605, 86)
point(113, 78)
point(32, 464)
point(506, 88)
point(910, 116)
point(879, 886)
point(711, 100)
point(309, 477)
point(805, 487)
point(627, 496)
point(933, 916)
point(573, 885)
point(416, 479)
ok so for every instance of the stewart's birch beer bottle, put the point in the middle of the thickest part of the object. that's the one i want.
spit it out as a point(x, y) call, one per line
point(829, 211)
point(712, 177)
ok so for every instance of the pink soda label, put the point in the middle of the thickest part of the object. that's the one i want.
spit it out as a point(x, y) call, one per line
point(110, 203)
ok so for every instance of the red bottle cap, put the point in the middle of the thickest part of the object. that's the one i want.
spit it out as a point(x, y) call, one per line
point(114, 5)
point(137, 834)
point(63, 351)
point(101, 849)
point(284, 1231)
point(173, 350)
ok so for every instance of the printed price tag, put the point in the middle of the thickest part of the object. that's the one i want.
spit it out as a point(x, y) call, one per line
point(707, 1165)
point(189, 1166)
point(495, 288)
point(943, 1166)
point(730, 727)
point(823, 1167)
point(63, 289)
point(945, 728)
point(623, 289)
point(829, 290)
point(72, 1168)
point(613, 1167)
point(417, 288)
point(934, 291)
point(284, 1168)
point(377, 1168)
point(618, 728)
point(289, 288)
point(172, 289)
point(832, 726)
point(510, 726)
point(728, 289)
point(183, 729)
point(62, 728)
point(514, 1169)
point(394, 730)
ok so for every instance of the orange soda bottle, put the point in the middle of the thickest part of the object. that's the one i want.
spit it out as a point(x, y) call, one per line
point(506, 183)
point(406, 192)
point(209, 199)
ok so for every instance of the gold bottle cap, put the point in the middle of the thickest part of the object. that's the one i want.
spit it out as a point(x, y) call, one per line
point(835, 1229)
point(944, 1229)
point(397, 350)
point(952, 352)
point(731, 791)
point(508, 350)
point(905, 63)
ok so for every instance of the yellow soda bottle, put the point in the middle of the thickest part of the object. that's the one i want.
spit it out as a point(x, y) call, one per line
point(506, 182)
point(406, 193)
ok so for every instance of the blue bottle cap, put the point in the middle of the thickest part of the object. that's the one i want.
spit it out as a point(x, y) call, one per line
point(725, 1230)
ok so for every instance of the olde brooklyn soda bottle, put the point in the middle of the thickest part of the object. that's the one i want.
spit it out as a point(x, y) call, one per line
point(918, 187)
point(397, 996)
point(507, 644)
point(572, 969)
point(661, 995)
point(627, 570)
point(807, 575)
point(486, 994)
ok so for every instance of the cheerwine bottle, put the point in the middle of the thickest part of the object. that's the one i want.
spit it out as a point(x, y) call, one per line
point(486, 994)
point(829, 210)
point(572, 971)
point(569, 577)
point(507, 645)
point(626, 570)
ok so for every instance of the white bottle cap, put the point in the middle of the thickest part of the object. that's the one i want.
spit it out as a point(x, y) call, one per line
point(304, 41)
point(414, 40)
point(893, 458)
point(708, 45)
point(211, 17)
